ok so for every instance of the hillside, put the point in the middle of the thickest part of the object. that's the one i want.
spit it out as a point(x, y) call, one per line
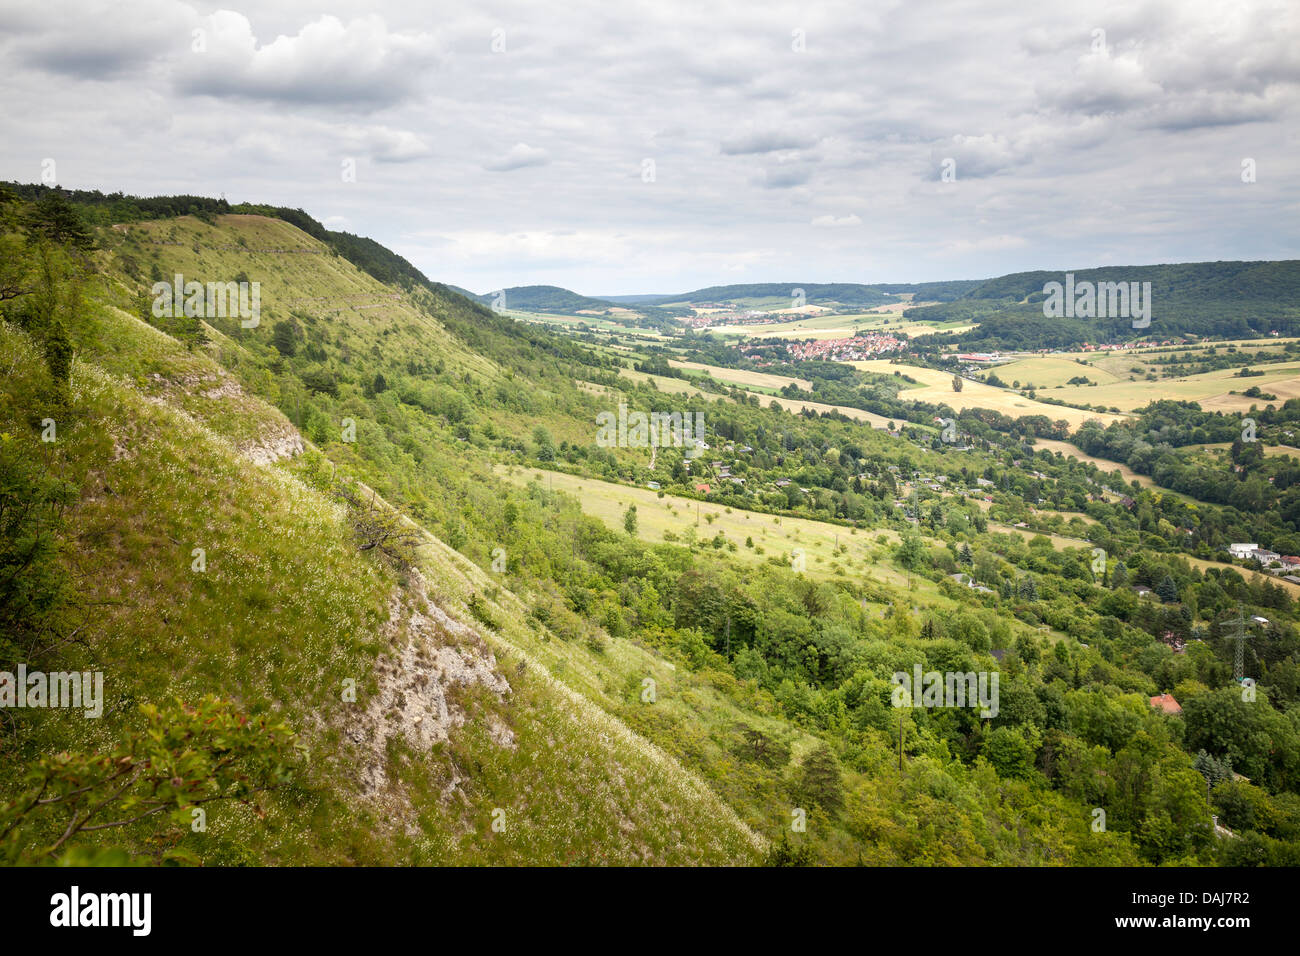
point(632, 655)
point(1223, 299)
point(544, 298)
point(165, 451)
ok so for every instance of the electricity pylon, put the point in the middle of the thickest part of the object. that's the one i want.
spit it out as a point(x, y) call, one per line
point(1239, 636)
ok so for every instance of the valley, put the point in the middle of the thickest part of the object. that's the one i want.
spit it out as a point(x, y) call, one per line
point(380, 516)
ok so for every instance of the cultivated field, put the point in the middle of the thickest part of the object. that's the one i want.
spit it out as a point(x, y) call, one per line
point(1105, 465)
point(1049, 371)
point(885, 319)
point(1209, 389)
point(745, 377)
point(778, 537)
point(937, 388)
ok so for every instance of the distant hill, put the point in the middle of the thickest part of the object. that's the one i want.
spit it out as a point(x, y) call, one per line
point(544, 298)
point(816, 293)
point(1229, 299)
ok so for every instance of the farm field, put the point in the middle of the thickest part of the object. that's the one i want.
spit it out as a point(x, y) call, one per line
point(1209, 389)
point(840, 327)
point(736, 376)
point(1050, 371)
point(1070, 451)
point(797, 405)
point(778, 536)
point(937, 388)
point(665, 384)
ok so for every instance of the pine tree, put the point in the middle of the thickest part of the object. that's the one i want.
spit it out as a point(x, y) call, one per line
point(819, 780)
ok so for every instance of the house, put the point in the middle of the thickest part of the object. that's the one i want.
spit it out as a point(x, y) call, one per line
point(652, 485)
point(702, 486)
point(1242, 550)
point(1264, 556)
point(984, 482)
point(1142, 591)
point(1166, 704)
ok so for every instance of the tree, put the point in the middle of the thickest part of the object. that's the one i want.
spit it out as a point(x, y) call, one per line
point(786, 854)
point(1167, 590)
point(285, 339)
point(956, 383)
point(1009, 752)
point(629, 520)
point(184, 757)
point(761, 748)
point(57, 220)
point(379, 527)
point(545, 444)
point(910, 552)
point(321, 380)
point(819, 780)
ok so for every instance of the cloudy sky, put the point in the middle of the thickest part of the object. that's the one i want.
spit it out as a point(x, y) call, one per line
point(661, 146)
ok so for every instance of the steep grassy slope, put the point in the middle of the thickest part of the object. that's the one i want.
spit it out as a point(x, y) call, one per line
point(450, 722)
point(429, 442)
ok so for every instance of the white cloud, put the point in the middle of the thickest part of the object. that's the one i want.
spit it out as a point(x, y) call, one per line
point(360, 62)
point(832, 222)
point(1064, 157)
point(519, 156)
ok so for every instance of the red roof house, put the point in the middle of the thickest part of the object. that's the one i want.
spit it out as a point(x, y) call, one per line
point(1167, 704)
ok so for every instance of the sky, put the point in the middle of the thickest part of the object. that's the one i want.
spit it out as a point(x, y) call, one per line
point(658, 147)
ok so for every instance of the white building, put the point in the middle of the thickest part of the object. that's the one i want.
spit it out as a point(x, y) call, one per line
point(1243, 550)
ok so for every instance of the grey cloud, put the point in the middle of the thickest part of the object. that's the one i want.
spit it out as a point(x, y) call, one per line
point(519, 156)
point(763, 141)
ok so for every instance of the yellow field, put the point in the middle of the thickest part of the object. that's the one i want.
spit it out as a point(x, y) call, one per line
point(937, 387)
point(857, 414)
point(883, 319)
point(777, 536)
point(674, 386)
point(1049, 371)
point(1209, 389)
point(1106, 466)
point(1246, 573)
point(743, 376)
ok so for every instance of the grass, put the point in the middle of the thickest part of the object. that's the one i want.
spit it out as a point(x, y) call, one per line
point(1208, 389)
point(828, 550)
point(937, 388)
point(284, 610)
